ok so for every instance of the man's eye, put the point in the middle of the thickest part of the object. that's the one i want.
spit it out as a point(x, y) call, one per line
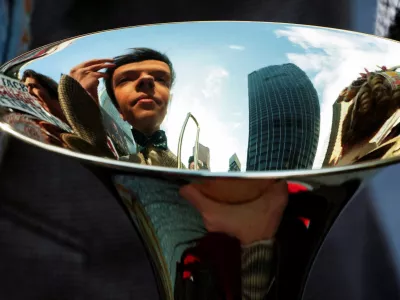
point(163, 81)
point(122, 80)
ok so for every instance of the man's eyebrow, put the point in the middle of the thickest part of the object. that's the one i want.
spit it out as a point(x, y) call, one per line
point(164, 72)
point(121, 73)
point(117, 76)
point(156, 71)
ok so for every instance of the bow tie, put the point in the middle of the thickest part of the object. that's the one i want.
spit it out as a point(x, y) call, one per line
point(157, 140)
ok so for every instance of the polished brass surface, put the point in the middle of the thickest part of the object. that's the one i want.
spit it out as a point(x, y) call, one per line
point(294, 98)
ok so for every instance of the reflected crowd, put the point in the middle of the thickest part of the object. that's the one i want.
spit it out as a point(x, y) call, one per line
point(119, 122)
point(365, 123)
point(179, 224)
point(284, 114)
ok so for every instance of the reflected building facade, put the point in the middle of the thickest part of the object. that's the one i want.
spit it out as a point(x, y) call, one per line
point(204, 156)
point(284, 119)
point(234, 164)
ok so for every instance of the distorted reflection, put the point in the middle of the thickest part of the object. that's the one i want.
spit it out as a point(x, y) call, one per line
point(138, 84)
point(234, 164)
point(367, 117)
point(45, 90)
point(211, 238)
point(258, 108)
point(283, 119)
point(203, 160)
point(35, 128)
point(41, 100)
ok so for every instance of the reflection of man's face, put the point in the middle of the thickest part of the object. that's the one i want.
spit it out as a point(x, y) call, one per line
point(37, 91)
point(142, 91)
point(191, 166)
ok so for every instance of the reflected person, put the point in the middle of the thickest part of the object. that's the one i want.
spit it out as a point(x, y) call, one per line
point(35, 128)
point(200, 164)
point(44, 89)
point(139, 84)
point(140, 88)
point(373, 102)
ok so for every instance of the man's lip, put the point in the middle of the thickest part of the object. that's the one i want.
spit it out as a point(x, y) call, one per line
point(145, 100)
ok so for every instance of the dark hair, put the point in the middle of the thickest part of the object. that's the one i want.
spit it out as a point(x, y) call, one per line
point(191, 159)
point(135, 55)
point(374, 104)
point(46, 82)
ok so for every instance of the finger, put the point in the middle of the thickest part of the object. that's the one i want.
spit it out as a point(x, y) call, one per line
point(234, 190)
point(96, 62)
point(99, 75)
point(277, 185)
point(97, 67)
point(277, 196)
point(196, 198)
point(235, 184)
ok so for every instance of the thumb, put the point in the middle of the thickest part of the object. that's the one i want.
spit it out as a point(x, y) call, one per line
point(196, 198)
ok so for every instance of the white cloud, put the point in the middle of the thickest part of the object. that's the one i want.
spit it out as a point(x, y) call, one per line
point(337, 58)
point(237, 125)
point(237, 47)
point(213, 81)
point(309, 62)
point(203, 97)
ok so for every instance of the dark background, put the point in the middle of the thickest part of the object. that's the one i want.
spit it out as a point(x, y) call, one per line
point(55, 20)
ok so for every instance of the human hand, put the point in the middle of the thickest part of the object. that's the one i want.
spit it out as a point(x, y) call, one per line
point(250, 210)
point(88, 75)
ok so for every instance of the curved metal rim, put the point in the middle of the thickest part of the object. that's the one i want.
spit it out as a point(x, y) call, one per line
point(126, 166)
point(132, 167)
point(188, 22)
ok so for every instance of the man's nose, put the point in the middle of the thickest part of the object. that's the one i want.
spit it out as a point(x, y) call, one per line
point(146, 82)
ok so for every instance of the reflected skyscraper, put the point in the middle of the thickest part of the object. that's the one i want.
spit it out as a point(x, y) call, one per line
point(284, 119)
point(234, 164)
point(204, 156)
